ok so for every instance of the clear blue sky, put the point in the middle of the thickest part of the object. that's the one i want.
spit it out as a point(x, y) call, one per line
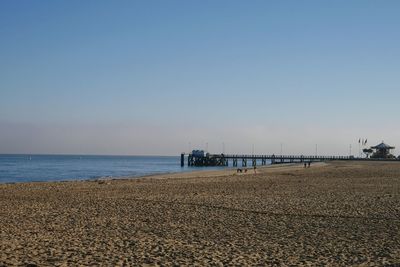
point(148, 77)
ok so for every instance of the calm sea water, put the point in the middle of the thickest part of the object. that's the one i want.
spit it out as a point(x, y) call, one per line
point(28, 168)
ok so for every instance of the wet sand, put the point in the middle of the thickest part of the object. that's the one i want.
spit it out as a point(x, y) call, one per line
point(336, 214)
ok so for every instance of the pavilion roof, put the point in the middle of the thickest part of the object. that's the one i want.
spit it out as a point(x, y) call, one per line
point(382, 146)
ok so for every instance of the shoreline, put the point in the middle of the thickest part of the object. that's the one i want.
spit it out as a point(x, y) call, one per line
point(232, 171)
point(181, 175)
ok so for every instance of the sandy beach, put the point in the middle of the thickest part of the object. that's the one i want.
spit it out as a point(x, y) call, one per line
point(337, 214)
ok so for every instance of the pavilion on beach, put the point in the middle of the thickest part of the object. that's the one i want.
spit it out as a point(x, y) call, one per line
point(382, 151)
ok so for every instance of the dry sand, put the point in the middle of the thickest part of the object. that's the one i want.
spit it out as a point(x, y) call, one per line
point(337, 214)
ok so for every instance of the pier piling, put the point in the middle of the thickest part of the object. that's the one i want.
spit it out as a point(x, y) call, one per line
point(182, 159)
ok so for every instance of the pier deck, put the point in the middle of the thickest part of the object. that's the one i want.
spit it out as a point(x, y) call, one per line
point(254, 160)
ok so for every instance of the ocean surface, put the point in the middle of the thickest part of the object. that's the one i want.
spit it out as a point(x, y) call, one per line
point(29, 168)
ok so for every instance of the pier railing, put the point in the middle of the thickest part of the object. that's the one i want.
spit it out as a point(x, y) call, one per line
point(226, 159)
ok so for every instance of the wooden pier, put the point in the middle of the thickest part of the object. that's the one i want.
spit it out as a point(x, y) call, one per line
point(254, 160)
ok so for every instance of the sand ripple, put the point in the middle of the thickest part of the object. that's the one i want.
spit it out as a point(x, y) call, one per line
point(340, 214)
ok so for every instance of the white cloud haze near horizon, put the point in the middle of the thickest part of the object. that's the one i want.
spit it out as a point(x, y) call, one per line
point(134, 78)
point(158, 140)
